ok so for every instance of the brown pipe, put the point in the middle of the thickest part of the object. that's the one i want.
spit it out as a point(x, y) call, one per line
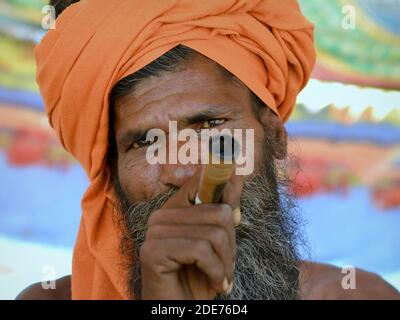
point(223, 150)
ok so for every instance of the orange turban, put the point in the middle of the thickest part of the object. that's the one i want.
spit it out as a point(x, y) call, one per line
point(268, 44)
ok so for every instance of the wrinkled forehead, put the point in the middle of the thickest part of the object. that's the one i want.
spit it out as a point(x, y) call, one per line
point(194, 73)
point(196, 83)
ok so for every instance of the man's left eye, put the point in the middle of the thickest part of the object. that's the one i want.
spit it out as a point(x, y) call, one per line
point(212, 123)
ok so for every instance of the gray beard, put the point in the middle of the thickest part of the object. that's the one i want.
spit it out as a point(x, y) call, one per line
point(267, 263)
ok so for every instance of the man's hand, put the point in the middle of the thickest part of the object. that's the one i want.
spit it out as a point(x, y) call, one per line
point(199, 237)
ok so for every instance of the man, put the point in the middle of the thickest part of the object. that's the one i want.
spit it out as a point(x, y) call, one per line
point(127, 68)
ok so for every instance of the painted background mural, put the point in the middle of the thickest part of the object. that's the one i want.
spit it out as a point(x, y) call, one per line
point(344, 146)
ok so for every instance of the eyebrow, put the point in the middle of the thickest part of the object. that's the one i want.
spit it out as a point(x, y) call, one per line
point(207, 114)
point(210, 113)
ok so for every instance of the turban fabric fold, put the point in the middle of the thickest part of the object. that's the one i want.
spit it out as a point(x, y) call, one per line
point(267, 44)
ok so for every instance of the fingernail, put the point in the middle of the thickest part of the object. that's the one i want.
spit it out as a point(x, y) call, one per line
point(225, 285)
point(236, 216)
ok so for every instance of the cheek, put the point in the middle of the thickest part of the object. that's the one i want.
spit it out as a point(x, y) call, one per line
point(257, 145)
point(139, 180)
point(259, 148)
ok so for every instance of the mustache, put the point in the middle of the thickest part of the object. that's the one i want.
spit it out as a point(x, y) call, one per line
point(137, 214)
point(133, 220)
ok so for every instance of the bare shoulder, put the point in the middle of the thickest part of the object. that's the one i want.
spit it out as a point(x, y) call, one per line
point(323, 281)
point(36, 291)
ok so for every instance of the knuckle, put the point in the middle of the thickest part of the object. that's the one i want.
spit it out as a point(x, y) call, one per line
point(226, 208)
point(203, 248)
point(154, 217)
point(146, 252)
point(219, 237)
point(225, 215)
point(153, 231)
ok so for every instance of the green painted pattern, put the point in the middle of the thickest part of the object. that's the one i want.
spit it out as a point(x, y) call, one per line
point(28, 11)
point(17, 66)
point(361, 50)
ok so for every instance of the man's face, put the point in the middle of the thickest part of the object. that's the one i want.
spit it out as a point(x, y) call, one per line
point(199, 96)
point(196, 97)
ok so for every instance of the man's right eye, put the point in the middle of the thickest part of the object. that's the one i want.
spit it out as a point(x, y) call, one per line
point(143, 142)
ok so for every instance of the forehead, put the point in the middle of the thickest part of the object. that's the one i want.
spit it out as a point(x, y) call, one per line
point(197, 83)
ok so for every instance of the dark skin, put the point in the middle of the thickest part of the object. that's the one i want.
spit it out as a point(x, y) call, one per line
point(179, 233)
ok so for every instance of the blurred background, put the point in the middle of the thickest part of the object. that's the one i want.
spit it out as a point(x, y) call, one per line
point(345, 134)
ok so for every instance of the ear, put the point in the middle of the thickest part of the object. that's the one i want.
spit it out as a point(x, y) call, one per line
point(275, 130)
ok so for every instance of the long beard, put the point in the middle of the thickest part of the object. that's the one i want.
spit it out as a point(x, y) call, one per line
point(267, 263)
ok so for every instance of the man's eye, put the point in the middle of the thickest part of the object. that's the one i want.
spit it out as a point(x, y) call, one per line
point(212, 123)
point(144, 142)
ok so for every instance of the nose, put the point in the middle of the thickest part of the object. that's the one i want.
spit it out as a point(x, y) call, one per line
point(176, 175)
